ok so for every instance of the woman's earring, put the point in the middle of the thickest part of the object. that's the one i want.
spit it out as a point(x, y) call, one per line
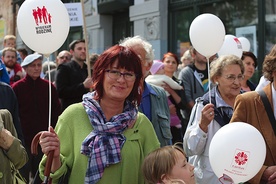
point(217, 83)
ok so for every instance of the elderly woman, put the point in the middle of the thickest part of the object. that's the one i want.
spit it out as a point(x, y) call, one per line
point(12, 154)
point(249, 108)
point(104, 139)
point(250, 63)
point(208, 117)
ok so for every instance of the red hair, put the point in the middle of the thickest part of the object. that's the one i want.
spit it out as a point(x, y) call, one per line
point(170, 54)
point(128, 60)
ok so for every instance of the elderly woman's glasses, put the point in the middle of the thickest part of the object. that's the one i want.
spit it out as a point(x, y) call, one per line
point(115, 74)
point(232, 78)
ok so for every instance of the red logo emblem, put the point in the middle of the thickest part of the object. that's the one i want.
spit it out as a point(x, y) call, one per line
point(41, 14)
point(238, 43)
point(43, 20)
point(241, 158)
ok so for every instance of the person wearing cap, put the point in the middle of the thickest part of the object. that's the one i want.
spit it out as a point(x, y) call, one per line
point(72, 79)
point(32, 93)
point(159, 78)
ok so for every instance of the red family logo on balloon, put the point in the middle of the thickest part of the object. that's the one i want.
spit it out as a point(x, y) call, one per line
point(238, 43)
point(43, 20)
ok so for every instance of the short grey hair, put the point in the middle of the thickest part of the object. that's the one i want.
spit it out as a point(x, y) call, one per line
point(221, 62)
point(138, 40)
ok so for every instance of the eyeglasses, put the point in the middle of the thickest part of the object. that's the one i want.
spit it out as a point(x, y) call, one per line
point(115, 74)
point(232, 78)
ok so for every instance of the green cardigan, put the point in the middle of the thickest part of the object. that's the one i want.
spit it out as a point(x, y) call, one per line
point(72, 128)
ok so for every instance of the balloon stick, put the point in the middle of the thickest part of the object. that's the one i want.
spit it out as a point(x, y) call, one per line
point(50, 94)
point(209, 80)
point(86, 40)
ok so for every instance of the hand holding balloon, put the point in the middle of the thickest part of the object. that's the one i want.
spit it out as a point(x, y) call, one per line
point(207, 115)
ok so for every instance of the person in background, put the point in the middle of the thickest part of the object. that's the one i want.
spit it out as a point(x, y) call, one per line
point(72, 79)
point(195, 80)
point(159, 78)
point(11, 149)
point(13, 68)
point(177, 97)
point(10, 41)
point(185, 60)
point(109, 138)
point(93, 58)
point(168, 165)
point(208, 117)
point(62, 57)
point(44, 71)
point(250, 63)
point(154, 99)
point(250, 109)
point(23, 53)
point(32, 93)
point(9, 101)
point(264, 81)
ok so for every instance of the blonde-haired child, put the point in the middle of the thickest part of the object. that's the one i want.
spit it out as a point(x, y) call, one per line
point(168, 165)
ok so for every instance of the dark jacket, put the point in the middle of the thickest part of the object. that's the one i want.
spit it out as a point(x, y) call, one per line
point(69, 83)
point(33, 101)
point(9, 101)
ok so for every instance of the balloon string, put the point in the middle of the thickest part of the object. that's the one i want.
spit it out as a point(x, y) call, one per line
point(209, 80)
point(50, 95)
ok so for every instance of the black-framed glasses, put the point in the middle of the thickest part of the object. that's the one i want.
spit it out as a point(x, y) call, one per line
point(232, 78)
point(115, 74)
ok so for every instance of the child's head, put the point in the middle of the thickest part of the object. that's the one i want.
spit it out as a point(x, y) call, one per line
point(9, 41)
point(168, 165)
point(157, 67)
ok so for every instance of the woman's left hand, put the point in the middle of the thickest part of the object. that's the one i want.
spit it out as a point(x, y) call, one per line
point(207, 115)
point(167, 88)
point(6, 139)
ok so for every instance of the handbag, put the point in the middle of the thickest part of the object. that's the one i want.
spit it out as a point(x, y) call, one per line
point(17, 177)
point(268, 109)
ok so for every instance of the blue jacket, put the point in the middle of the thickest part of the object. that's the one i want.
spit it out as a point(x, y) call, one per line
point(160, 114)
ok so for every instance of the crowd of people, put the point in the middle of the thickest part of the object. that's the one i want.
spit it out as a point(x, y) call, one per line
point(135, 119)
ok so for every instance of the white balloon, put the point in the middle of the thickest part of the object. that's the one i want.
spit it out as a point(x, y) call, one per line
point(237, 152)
point(207, 34)
point(231, 46)
point(245, 44)
point(43, 25)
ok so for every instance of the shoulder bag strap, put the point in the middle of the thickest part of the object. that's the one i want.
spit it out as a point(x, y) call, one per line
point(268, 109)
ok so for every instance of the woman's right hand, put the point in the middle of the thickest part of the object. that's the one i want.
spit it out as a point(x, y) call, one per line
point(49, 141)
